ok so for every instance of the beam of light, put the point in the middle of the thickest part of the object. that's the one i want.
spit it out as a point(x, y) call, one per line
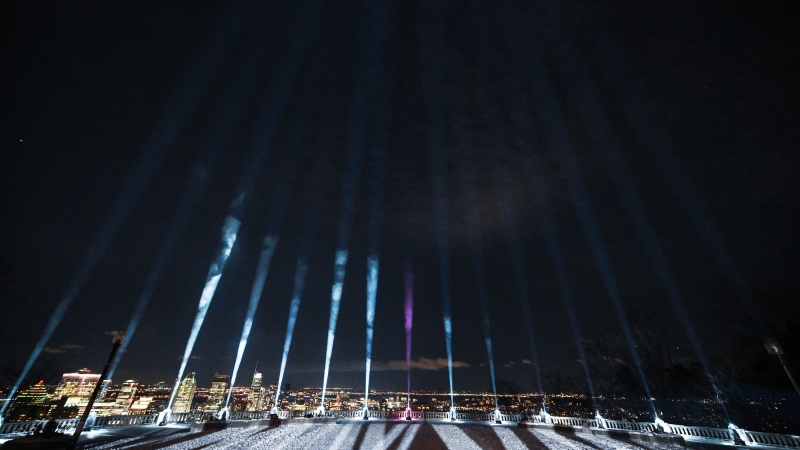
point(501, 177)
point(267, 249)
point(189, 200)
point(372, 289)
point(297, 293)
point(336, 297)
point(549, 113)
point(409, 315)
point(599, 127)
point(433, 23)
point(311, 216)
point(251, 68)
point(583, 208)
point(229, 230)
point(630, 92)
point(199, 75)
point(550, 234)
point(380, 142)
point(269, 117)
point(466, 170)
point(362, 106)
point(324, 137)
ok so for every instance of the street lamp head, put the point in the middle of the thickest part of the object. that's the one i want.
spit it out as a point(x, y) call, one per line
point(117, 337)
point(773, 348)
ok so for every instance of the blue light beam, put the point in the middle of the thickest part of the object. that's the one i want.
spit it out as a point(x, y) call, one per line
point(267, 250)
point(550, 114)
point(294, 307)
point(252, 66)
point(372, 290)
point(380, 141)
point(324, 136)
point(311, 216)
point(466, 170)
point(480, 278)
point(229, 230)
point(362, 106)
point(502, 185)
point(340, 265)
point(200, 73)
point(432, 54)
point(632, 96)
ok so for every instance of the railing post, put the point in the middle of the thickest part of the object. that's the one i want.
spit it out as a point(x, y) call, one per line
point(738, 435)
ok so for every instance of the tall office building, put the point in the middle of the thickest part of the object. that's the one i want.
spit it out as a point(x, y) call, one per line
point(219, 387)
point(256, 400)
point(34, 395)
point(126, 393)
point(185, 395)
point(77, 386)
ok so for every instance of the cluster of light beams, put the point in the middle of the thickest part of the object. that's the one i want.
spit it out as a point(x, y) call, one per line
point(433, 21)
point(268, 118)
point(229, 230)
point(532, 167)
point(552, 123)
point(199, 75)
point(599, 127)
point(252, 66)
point(501, 177)
point(375, 18)
point(574, 179)
point(189, 200)
point(312, 213)
point(630, 92)
point(467, 174)
point(267, 250)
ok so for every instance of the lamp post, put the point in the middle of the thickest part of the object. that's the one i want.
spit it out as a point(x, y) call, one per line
point(118, 337)
point(773, 348)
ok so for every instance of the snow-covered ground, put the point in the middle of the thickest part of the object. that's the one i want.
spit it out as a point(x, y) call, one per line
point(385, 435)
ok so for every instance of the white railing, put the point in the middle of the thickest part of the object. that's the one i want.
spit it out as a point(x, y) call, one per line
point(64, 425)
point(186, 417)
point(631, 426)
point(116, 421)
point(780, 440)
point(423, 415)
point(701, 432)
point(575, 421)
point(687, 432)
point(248, 415)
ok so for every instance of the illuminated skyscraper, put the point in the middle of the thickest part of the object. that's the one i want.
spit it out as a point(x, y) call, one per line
point(256, 400)
point(77, 386)
point(219, 386)
point(34, 395)
point(126, 393)
point(185, 395)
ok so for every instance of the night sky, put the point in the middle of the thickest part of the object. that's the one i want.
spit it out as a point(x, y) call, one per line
point(452, 90)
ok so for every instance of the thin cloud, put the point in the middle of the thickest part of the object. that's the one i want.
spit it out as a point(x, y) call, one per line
point(393, 365)
point(64, 348)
